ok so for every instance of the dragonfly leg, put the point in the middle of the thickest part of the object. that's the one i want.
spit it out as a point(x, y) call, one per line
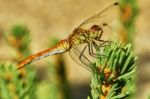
point(91, 50)
point(104, 43)
point(75, 53)
point(82, 58)
point(81, 54)
point(92, 45)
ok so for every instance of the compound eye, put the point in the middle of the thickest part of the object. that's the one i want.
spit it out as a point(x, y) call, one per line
point(95, 28)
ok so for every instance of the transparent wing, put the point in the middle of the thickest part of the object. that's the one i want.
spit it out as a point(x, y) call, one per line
point(75, 53)
point(104, 16)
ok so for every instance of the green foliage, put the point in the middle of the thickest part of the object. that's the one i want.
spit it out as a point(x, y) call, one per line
point(14, 85)
point(113, 72)
point(129, 14)
point(149, 97)
point(19, 38)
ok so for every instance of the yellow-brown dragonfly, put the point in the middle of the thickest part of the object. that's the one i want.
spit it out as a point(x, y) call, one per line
point(81, 35)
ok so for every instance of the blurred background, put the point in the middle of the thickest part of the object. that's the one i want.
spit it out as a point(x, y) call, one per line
point(44, 23)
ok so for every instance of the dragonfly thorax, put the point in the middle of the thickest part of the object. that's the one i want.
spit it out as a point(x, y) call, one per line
point(79, 36)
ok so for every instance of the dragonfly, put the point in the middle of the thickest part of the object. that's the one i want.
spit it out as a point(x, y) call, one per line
point(87, 33)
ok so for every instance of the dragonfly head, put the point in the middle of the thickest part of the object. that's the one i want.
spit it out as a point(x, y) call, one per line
point(95, 31)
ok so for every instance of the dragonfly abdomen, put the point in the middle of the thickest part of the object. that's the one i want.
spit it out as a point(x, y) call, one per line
point(61, 47)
